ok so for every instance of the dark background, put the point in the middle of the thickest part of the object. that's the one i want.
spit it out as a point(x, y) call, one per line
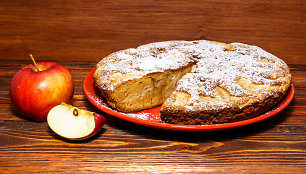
point(89, 30)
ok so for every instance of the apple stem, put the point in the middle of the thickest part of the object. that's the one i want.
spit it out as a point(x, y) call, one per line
point(75, 112)
point(34, 62)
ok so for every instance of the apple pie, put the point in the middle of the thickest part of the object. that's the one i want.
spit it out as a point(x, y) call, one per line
point(195, 82)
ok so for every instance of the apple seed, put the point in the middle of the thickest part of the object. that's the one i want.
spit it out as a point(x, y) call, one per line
point(75, 112)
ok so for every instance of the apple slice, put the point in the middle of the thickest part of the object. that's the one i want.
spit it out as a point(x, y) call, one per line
point(73, 123)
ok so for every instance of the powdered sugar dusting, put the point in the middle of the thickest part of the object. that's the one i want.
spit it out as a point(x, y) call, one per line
point(141, 116)
point(222, 67)
point(154, 57)
point(215, 65)
point(144, 116)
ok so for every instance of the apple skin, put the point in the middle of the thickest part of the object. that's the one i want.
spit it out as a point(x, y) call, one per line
point(33, 93)
point(73, 123)
point(100, 121)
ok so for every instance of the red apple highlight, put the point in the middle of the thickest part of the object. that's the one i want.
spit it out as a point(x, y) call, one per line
point(74, 124)
point(35, 89)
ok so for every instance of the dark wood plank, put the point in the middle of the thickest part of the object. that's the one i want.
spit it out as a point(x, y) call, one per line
point(276, 145)
point(90, 30)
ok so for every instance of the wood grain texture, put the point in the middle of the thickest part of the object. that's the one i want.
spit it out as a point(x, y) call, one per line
point(78, 34)
point(276, 145)
point(89, 30)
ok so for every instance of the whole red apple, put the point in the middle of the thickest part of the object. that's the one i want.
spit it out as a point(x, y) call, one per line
point(36, 89)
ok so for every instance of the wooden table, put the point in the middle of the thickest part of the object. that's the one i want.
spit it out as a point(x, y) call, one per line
point(79, 34)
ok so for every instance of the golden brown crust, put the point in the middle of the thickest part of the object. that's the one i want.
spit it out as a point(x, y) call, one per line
point(181, 115)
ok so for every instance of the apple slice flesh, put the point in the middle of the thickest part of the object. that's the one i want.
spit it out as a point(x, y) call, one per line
point(73, 123)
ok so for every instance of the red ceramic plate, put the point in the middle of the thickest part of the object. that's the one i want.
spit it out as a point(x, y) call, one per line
point(151, 118)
